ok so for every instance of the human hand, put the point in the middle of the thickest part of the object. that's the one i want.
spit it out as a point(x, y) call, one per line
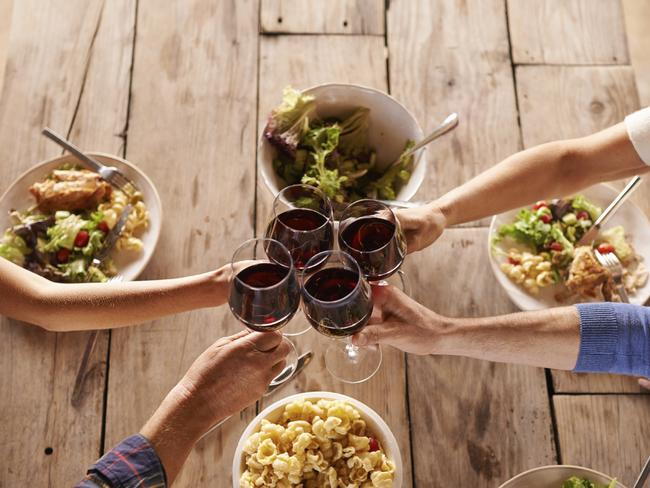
point(401, 322)
point(421, 226)
point(218, 281)
point(644, 383)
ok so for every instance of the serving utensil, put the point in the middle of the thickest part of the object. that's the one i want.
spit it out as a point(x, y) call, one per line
point(611, 262)
point(645, 472)
point(278, 382)
point(109, 244)
point(591, 234)
point(109, 173)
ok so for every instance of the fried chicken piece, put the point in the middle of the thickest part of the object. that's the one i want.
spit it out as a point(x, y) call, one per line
point(70, 190)
point(587, 277)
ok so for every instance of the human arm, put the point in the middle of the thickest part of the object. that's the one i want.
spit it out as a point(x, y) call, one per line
point(555, 169)
point(230, 375)
point(66, 307)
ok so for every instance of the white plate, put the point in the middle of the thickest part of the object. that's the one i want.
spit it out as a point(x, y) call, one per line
point(554, 476)
point(374, 422)
point(129, 264)
point(633, 220)
point(390, 126)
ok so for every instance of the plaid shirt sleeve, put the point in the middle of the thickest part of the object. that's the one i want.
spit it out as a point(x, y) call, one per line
point(133, 463)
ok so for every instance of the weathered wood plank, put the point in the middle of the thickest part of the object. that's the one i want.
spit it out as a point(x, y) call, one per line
point(454, 57)
point(609, 433)
point(567, 32)
point(192, 130)
point(474, 423)
point(565, 102)
point(637, 20)
point(323, 16)
point(6, 7)
point(304, 61)
point(55, 47)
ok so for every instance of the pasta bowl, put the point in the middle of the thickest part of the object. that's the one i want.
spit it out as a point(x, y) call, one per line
point(129, 265)
point(374, 422)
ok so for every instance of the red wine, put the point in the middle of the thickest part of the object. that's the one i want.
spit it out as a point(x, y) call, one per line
point(258, 302)
point(375, 245)
point(304, 232)
point(341, 308)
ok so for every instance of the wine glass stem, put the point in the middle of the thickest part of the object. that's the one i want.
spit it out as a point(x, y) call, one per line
point(351, 350)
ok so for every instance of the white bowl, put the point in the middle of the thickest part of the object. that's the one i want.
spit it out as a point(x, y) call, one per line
point(374, 422)
point(630, 216)
point(390, 126)
point(553, 476)
point(128, 264)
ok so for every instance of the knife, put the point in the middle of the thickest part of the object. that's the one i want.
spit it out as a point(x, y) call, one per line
point(109, 243)
point(591, 234)
point(278, 382)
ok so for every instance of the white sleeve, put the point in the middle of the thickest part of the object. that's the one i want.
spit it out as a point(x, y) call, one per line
point(638, 128)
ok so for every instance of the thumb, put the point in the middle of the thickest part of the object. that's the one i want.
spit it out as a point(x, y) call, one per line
point(263, 341)
point(386, 297)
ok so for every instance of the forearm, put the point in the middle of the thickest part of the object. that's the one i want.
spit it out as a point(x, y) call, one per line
point(546, 338)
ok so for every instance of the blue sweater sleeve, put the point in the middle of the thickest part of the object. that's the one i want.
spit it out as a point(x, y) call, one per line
point(614, 338)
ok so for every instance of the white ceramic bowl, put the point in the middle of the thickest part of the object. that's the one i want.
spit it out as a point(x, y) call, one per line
point(553, 477)
point(390, 126)
point(629, 216)
point(374, 422)
point(128, 264)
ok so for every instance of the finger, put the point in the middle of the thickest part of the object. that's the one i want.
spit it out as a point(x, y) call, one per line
point(386, 297)
point(280, 352)
point(376, 334)
point(228, 339)
point(263, 341)
point(644, 383)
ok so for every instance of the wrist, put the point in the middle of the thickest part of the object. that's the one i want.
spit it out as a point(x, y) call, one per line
point(446, 334)
point(437, 215)
point(215, 286)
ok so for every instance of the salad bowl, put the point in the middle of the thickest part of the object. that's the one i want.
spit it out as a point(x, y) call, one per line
point(129, 265)
point(629, 216)
point(553, 476)
point(390, 126)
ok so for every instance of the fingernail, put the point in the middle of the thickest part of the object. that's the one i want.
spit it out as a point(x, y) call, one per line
point(361, 339)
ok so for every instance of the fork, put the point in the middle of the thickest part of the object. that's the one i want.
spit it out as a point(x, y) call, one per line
point(611, 262)
point(109, 173)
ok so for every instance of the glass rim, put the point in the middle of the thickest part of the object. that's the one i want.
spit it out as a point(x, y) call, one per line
point(377, 202)
point(329, 219)
point(331, 252)
point(290, 268)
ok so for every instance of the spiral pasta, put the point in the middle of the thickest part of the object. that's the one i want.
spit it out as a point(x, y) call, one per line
point(323, 444)
point(532, 271)
point(137, 221)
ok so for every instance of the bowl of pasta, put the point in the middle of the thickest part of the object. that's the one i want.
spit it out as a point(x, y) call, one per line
point(317, 439)
point(55, 217)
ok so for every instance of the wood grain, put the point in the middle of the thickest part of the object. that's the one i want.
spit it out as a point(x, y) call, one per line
point(80, 47)
point(323, 16)
point(192, 130)
point(304, 61)
point(609, 433)
point(453, 57)
point(474, 423)
point(567, 32)
point(6, 7)
point(637, 20)
point(558, 102)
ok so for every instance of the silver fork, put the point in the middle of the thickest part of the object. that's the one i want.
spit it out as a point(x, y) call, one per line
point(109, 173)
point(610, 261)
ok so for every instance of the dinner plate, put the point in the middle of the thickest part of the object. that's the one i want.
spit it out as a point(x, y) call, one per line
point(129, 264)
point(631, 217)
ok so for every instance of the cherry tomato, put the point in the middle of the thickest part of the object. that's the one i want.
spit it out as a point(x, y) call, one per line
point(605, 248)
point(82, 238)
point(583, 215)
point(63, 255)
point(373, 444)
point(540, 204)
point(545, 218)
point(556, 246)
point(513, 261)
point(103, 226)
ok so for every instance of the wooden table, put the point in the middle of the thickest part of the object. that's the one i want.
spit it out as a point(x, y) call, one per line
point(182, 88)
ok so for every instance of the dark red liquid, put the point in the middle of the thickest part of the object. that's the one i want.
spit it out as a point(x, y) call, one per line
point(346, 309)
point(258, 306)
point(303, 232)
point(373, 242)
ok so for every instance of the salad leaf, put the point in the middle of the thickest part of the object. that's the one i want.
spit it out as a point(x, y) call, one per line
point(388, 184)
point(322, 141)
point(527, 229)
point(63, 232)
point(74, 271)
point(289, 122)
point(95, 243)
point(616, 237)
point(558, 236)
point(13, 248)
point(581, 203)
point(353, 140)
point(575, 482)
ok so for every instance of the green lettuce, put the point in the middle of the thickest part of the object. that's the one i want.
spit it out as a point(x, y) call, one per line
point(62, 234)
point(323, 141)
point(581, 203)
point(558, 236)
point(353, 140)
point(13, 248)
point(575, 482)
point(528, 229)
point(616, 237)
point(289, 122)
point(388, 184)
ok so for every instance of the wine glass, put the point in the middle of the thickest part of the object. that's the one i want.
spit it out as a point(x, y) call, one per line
point(337, 301)
point(264, 291)
point(302, 220)
point(371, 234)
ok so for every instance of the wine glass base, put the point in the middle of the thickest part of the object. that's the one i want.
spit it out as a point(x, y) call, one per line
point(352, 364)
